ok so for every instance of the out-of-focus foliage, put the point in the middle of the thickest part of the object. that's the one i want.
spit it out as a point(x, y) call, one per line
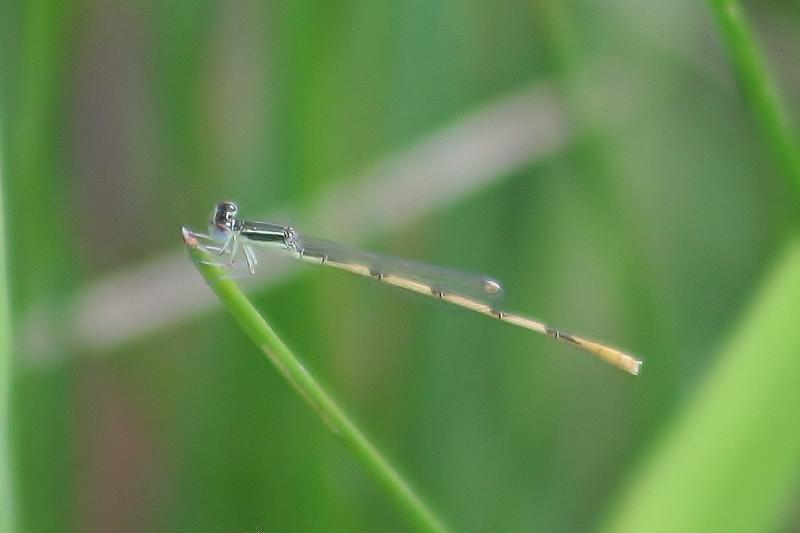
point(6, 493)
point(651, 228)
point(736, 444)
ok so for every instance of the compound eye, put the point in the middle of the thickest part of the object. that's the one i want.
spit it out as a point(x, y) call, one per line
point(226, 207)
point(224, 214)
point(225, 210)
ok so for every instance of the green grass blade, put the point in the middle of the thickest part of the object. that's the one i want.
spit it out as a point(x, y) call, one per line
point(298, 376)
point(759, 88)
point(7, 513)
point(732, 457)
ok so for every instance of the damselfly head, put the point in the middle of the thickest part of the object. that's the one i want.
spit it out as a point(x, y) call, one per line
point(223, 219)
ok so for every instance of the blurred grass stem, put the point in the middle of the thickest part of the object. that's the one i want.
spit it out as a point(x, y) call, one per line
point(760, 90)
point(312, 392)
point(6, 493)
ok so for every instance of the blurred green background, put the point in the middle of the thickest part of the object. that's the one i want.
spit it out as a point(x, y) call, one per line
point(597, 157)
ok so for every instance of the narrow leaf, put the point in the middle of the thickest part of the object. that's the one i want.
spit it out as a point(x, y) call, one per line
point(732, 457)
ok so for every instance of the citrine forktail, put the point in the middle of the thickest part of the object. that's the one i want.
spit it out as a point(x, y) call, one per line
point(231, 236)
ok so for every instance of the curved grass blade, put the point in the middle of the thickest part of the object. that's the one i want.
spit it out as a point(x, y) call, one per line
point(304, 383)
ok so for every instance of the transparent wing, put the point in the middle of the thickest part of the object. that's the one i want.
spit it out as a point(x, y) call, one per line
point(437, 279)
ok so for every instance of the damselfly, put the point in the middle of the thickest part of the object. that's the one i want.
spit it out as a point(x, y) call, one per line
point(231, 238)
